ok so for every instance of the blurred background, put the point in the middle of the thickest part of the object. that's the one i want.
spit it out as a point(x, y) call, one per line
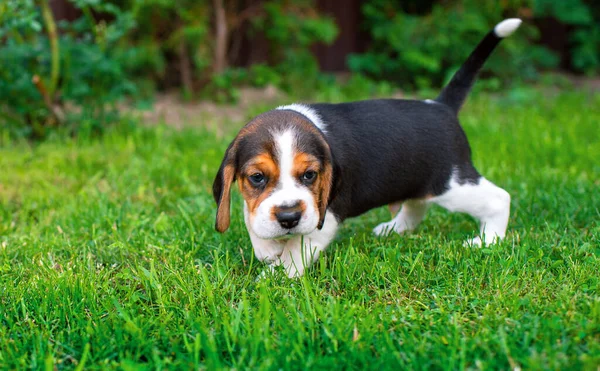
point(83, 63)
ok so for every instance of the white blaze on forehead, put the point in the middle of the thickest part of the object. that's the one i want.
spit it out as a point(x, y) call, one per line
point(307, 112)
point(285, 144)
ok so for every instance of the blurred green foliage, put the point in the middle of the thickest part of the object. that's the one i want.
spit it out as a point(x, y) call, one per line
point(584, 20)
point(92, 77)
point(422, 43)
point(118, 49)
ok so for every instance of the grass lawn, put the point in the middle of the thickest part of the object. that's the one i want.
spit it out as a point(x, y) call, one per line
point(109, 260)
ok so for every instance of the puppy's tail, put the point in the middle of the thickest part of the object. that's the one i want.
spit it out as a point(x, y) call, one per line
point(455, 93)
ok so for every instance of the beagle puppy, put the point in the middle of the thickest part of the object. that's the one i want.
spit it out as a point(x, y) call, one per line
point(304, 168)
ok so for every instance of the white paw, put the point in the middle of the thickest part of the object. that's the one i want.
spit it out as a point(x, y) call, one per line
point(293, 269)
point(294, 272)
point(266, 273)
point(385, 229)
point(477, 242)
point(473, 242)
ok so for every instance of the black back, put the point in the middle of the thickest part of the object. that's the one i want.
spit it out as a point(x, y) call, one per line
point(392, 150)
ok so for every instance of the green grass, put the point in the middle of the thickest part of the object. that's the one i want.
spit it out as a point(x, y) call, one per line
point(108, 259)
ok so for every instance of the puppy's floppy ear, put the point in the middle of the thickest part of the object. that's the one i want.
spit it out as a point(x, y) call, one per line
point(328, 187)
point(222, 188)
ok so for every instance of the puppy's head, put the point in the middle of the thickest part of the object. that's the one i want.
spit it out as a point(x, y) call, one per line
point(284, 170)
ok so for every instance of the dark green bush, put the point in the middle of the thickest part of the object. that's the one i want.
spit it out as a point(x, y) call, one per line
point(90, 81)
point(182, 33)
point(583, 20)
point(422, 43)
point(290, 35)
point(424, 50)
point(91, 63)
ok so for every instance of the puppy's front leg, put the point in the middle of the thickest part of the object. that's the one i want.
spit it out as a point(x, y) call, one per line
point(267, 251)
point(301, 251)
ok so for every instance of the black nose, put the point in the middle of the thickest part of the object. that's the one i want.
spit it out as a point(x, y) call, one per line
point(289, 218)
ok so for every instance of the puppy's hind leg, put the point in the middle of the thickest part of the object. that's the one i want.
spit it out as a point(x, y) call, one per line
point(484, 201)
point(409, 217)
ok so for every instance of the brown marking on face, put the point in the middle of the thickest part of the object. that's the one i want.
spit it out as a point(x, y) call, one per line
point(264, 164)
point(302, 163)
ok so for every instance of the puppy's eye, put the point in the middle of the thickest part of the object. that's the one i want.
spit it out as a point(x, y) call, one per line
point(309, 176)
point(257, 179)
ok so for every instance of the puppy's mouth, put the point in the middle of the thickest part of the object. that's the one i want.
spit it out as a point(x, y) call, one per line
point(287, 236)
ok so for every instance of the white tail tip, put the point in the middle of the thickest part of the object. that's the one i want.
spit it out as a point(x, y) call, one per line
point(507, 27)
